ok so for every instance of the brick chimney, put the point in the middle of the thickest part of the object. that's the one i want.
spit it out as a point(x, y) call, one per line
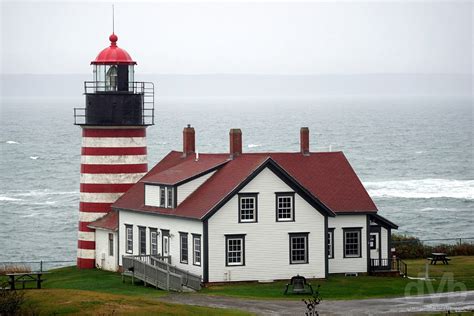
point(304, 140)
point(235, 136)
point(189, 146)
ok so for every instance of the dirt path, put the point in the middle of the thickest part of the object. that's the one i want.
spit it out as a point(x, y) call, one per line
point(457, 301)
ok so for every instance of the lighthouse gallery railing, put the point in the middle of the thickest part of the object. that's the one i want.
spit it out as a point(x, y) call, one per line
point(138, 87)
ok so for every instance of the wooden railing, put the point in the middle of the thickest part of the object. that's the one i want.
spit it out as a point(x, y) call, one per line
point(388, 264)
point(157, 271)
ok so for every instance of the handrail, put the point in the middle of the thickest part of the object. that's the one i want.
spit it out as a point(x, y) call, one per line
point(393, 264)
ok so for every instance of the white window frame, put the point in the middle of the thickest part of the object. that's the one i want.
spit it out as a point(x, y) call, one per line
point(169, 197)
point(241, 240)
point(153, 241)
point(285, 195)
point(197, 258)
point(111, 244)
point(359, 242)
point(183, 237)
point(248, 196)
point(330, 243)
point(306, 248)
point(162, 196)
point(141, 240)
point(129, 238)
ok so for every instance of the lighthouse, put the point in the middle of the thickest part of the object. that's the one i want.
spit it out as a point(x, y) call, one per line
point(117, 112)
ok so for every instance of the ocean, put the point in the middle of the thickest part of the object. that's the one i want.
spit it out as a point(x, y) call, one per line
point(414, 156)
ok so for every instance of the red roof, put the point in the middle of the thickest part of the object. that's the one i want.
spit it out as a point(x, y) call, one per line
point(325, 177)
point(187, 169)
point(109, 222)
point(113, 55)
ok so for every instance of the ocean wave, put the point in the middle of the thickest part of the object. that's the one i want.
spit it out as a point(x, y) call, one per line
point(11, 142)
point(9, 199)
point(253, 145)
point(422, 189)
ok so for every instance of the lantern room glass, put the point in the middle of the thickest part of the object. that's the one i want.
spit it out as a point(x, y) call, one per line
point(105, 77)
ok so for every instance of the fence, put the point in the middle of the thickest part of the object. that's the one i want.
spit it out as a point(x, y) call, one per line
point(39, 266)
point(156, 271)
point(439, 241)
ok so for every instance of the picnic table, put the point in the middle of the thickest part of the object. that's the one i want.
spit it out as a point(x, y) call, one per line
point(25, 277)
point(439, 256)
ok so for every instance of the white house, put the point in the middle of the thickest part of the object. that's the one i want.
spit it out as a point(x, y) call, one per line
point(248, 216)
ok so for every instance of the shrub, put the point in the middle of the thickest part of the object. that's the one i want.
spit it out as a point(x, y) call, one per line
point(10, 301)
point(409, 247)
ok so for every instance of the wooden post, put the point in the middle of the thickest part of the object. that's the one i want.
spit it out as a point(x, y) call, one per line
point(41, 266)
point(167, 277)
point(144, 274)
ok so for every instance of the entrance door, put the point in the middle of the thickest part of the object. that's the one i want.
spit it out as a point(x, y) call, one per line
point(374, 244)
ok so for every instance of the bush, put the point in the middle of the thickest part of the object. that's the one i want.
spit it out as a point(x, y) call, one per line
point(409, 247)
point(10, 301)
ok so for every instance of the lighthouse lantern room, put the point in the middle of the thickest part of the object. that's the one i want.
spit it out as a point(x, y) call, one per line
point(117, 112)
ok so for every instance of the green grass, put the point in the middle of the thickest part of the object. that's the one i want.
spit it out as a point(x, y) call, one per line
point(94, 292)
point(460, 276)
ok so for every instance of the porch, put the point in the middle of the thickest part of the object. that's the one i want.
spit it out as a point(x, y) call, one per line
point(388, 267)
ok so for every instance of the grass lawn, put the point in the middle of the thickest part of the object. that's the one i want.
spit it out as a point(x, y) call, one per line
point(94, 292)
point(459, 271)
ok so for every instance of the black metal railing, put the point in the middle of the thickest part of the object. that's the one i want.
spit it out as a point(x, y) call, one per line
point(388, 264)
point(147, 89)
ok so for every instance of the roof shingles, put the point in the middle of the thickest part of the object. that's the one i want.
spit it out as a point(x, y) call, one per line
point(327, 176)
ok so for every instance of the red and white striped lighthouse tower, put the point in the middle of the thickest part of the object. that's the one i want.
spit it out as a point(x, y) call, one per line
point(114, 153)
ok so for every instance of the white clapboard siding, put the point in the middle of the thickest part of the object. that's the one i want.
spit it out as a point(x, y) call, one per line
point(152, 195)
point(267, 241)
point(102, 255)
point(339, 264)
point(187, 188)
point(173, 224)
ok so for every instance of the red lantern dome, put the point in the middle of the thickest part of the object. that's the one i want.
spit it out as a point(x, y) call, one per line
point(113, 55)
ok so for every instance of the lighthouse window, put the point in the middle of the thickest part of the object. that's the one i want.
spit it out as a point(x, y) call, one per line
point(111, 79)
point(129, 235)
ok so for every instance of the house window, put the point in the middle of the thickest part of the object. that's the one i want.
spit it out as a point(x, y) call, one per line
point(197, 250)
point(111, 244)
point(153, 241)
point(170, 192)
point(162, 197)
point(298, 248)
point(183, 239)
point(285, 207)
point(142, 239)
point(129, 234)
point(235, 250)
point(247, 207)
point(352, 242)
point(331, 243)
point(373, 241)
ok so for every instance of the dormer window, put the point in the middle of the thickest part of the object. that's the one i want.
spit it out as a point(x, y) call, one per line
point(160, 195)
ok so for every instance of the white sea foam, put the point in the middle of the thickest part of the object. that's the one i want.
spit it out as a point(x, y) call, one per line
point(34, 157)
point(8, 199)
point(422, 189)
point(253, 145)
point(11, 142)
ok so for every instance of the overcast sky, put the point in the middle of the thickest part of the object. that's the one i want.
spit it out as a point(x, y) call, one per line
point(243, 37)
